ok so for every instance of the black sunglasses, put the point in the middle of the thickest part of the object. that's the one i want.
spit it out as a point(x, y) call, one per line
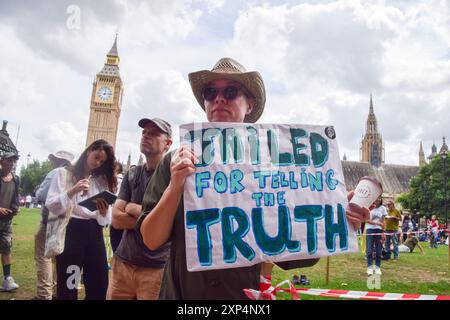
point(229, 92)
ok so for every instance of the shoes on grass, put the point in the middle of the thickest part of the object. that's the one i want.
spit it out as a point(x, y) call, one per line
point(9, 284)
point(302, 280)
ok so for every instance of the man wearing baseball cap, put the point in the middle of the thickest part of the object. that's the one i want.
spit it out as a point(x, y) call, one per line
point(9, 207)
point(136, 270)
point(46, 283)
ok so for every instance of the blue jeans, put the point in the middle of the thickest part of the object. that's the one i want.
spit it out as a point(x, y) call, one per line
point(394, 238)
point(433, 236)
point(373, 244)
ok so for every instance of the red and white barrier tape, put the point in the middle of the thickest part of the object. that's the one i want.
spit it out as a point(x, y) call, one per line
point(366, 295)
point(398, 232)
point(270, 294)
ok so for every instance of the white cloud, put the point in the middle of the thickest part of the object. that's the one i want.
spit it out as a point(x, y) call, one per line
point(60, 136)
point(328, 57)
point(163, 94)
point(320, 61)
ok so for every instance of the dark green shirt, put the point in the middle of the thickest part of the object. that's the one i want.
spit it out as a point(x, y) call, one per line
point(7, 193)
point(178, 283)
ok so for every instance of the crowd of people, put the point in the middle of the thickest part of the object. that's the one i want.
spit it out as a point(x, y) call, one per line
point(387, 233)
point(147, 220)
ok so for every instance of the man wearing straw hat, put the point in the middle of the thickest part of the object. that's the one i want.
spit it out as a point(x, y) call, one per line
point(227, 93)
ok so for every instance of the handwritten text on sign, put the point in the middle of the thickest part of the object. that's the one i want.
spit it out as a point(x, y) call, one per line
point(263, 192)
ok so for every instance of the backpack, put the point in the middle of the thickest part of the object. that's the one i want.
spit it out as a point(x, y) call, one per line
point(134, 172)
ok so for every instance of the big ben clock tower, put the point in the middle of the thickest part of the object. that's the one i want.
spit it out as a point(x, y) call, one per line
point(106, 101)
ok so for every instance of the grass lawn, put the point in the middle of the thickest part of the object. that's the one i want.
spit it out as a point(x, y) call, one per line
point(412, 273)
point(427, 273)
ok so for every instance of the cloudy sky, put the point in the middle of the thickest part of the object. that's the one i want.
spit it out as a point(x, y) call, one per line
point(320, 61)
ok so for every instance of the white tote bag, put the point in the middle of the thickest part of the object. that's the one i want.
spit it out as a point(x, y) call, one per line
point(56, 227)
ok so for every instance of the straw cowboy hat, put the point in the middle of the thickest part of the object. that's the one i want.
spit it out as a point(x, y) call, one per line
point(227, 68)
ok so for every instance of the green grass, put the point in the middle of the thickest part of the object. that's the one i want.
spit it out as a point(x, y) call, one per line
point(25, 226)
point(412, 273)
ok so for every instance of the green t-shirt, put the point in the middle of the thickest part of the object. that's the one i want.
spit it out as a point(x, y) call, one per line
point(7, 192)
point(177, 282)
point(392, 224)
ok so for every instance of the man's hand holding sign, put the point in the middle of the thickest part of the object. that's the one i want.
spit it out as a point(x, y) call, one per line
point(182, 165)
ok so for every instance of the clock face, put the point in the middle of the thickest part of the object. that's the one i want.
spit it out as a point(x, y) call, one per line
point(104, 93)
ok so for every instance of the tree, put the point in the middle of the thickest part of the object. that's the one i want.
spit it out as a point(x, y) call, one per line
point(32, 175)
point(426, 190)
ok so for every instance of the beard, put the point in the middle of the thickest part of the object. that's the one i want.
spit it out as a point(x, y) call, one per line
point(148, 150)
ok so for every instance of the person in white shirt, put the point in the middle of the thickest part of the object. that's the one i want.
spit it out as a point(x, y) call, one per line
point(374, 228)
point(28, 201)
point(46, 282)
point(84, 246)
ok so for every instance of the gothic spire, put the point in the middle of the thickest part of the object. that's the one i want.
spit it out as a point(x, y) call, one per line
point(111, 67)
point(433, 148)
point(129, 161)
point(113, 52)
point(444, 147)
point(371, 127)
point(372, 148)
point(421, 156)
point(371, 106)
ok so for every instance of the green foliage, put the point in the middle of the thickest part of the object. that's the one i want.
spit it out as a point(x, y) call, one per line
point(403, 199)
point(32, 176)
point(426, 190)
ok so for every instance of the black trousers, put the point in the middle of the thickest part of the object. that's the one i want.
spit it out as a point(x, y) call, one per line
point(85, 252)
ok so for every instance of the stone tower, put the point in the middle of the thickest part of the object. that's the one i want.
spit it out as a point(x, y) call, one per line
point(433, 152)
point(421, 156)
point(128, 162)
point(106, 101)
point(444, 147)
point(372, 149)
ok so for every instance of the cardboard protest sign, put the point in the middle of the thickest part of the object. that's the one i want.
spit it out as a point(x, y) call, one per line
point(263, 192)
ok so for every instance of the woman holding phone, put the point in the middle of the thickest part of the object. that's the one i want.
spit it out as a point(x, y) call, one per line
point(84, 249)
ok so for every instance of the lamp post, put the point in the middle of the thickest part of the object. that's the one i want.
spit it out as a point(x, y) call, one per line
point(443, 155)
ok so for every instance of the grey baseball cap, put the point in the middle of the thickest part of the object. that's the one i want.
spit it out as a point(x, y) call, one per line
point(160, 123)
point(9, 155)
